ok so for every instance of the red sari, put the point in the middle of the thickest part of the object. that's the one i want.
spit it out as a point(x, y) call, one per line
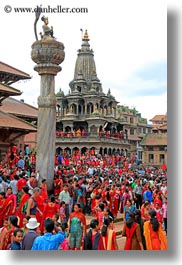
point(21, 213)
point(50, 209)
point(129, 235)
point(108, 240)
point(44, 193)
point(6, 209)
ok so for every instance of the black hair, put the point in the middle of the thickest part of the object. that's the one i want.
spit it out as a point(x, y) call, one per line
point(56, 216)
point(27, 217)
point(109, 212)
point(98, 196)
point(108, 195)
point(130, 220)
point(154, 222)
point(107, 221)
point(61, 204)
point(49, 225)
point(137, 214)
point(14, 220)
point(17, 230)
point(3, 194)
point(64, 226)
point(94, 223)
point(52, 198)
point(44, 180)
point(25, 189)
point(101, 206)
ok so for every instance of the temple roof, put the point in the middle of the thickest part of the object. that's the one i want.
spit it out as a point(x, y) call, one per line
point(19, 108)
point(159, 118)
point(8, 90)
point(9, 74)
point(85, 69)
point(155, 139)
point(10, 121)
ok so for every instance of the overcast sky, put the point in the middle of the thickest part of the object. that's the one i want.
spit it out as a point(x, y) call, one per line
point(129, 39)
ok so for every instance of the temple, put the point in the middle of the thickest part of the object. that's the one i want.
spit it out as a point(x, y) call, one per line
point(87, 118)
point(15, 120)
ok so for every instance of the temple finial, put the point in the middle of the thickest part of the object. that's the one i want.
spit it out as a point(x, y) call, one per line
point(86, 37)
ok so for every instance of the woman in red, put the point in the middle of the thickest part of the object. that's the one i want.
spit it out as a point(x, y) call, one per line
point(100, 214)
point(109, 235)
point(13, 224)
point(132, 232)
point(44, 193)
point(56, 184)
point(11, 209)
point(117, 194)
point(154, 235)
point(50, 209)
point(93, 239)
point(21, 213)
point(3, 206)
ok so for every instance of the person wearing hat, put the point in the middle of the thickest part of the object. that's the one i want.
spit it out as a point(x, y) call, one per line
point(30, 236)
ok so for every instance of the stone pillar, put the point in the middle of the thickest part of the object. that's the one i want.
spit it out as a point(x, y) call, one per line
point(48, 54)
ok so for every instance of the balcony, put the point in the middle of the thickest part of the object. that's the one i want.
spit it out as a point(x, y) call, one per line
point(91, 138)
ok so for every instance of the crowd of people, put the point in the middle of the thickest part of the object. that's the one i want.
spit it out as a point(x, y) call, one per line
point(89, 184)
point(114, 133)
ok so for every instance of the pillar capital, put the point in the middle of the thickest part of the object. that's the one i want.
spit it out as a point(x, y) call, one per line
point(48, 68)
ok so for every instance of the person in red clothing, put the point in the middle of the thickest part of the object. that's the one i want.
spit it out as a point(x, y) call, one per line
point(93, 239)
point(3, 207)
point(11, 209)
point(50, 209)
point(109, 235)
point(39, 214)
point(100, 214)
point(43, 187)
point(21, 212)
point(132, 232)
point(57, 183)
point(20, 184)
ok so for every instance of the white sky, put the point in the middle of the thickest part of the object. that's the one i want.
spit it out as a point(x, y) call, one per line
point(129, 39)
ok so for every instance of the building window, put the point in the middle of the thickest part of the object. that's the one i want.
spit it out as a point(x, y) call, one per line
point(149, 130)
point(126, 118)
point(131, 120)
point(162, 157)
point(139, 130)
point(131, 131)
point(151, 148)
point(144, 130)
point(162, 148)
point(151, 158)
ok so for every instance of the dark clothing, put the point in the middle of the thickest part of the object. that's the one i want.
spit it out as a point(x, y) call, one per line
point(90, 244)
point(15, 246)
point(28, 239)
point(34, 209)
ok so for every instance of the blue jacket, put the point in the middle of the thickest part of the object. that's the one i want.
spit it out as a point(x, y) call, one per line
point(48, 241)
point(15, 246)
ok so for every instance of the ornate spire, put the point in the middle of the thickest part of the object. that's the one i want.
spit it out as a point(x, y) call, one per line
point(85, 74)
point(86, 37)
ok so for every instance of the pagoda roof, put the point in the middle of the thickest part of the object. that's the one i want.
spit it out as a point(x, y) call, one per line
point(10, 121)
point(19, 108)
point(10, 74)
point(8, 90)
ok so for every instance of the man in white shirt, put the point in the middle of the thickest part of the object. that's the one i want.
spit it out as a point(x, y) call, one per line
point(64, 196)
